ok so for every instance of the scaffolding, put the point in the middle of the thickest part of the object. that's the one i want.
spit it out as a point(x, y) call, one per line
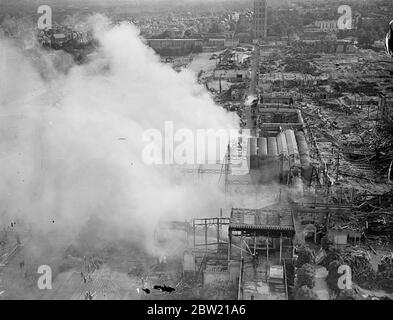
point(206, 223)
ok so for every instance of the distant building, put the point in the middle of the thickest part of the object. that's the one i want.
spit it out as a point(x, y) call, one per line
point(57, 40)
point(175, 47)
point(232, 75)
point(59, 37)
point(267, 99)
point(216, 42)
point(312, 32)
point(222, 43)
point(325, 46)
point(343, 237)
point(260, 19)
point(243, 37)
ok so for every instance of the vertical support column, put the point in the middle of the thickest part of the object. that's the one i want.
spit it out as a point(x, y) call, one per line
point(218, 232)
point(241, 245)
point(220, 221)
point(267, 249)
point(280, 247)
point(229, 244)
point(193, 228)
point(206, 234)
point(255, 243)
point(241, 280)
point(187, 233)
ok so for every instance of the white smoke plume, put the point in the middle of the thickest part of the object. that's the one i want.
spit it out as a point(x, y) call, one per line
point(71, 142)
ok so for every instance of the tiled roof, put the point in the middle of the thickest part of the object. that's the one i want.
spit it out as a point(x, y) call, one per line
point(262, 219)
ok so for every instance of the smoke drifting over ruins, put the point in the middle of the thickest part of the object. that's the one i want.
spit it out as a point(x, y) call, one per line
point(196, 150)
point(75, 137)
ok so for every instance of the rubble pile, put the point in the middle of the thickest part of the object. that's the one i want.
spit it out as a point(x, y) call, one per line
point(383, 143)
point(359, 261)
point(294, 64)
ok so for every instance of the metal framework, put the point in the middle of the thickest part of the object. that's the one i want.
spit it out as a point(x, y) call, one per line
point(207, 223)
point(253, 224)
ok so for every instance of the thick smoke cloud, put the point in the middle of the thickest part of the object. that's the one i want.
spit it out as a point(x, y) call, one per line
point(71, 142)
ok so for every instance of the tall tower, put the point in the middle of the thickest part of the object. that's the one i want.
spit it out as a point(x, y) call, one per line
point(260, 19)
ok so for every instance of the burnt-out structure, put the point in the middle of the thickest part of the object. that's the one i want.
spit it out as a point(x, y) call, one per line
point(279, 149)
point(262, 240)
